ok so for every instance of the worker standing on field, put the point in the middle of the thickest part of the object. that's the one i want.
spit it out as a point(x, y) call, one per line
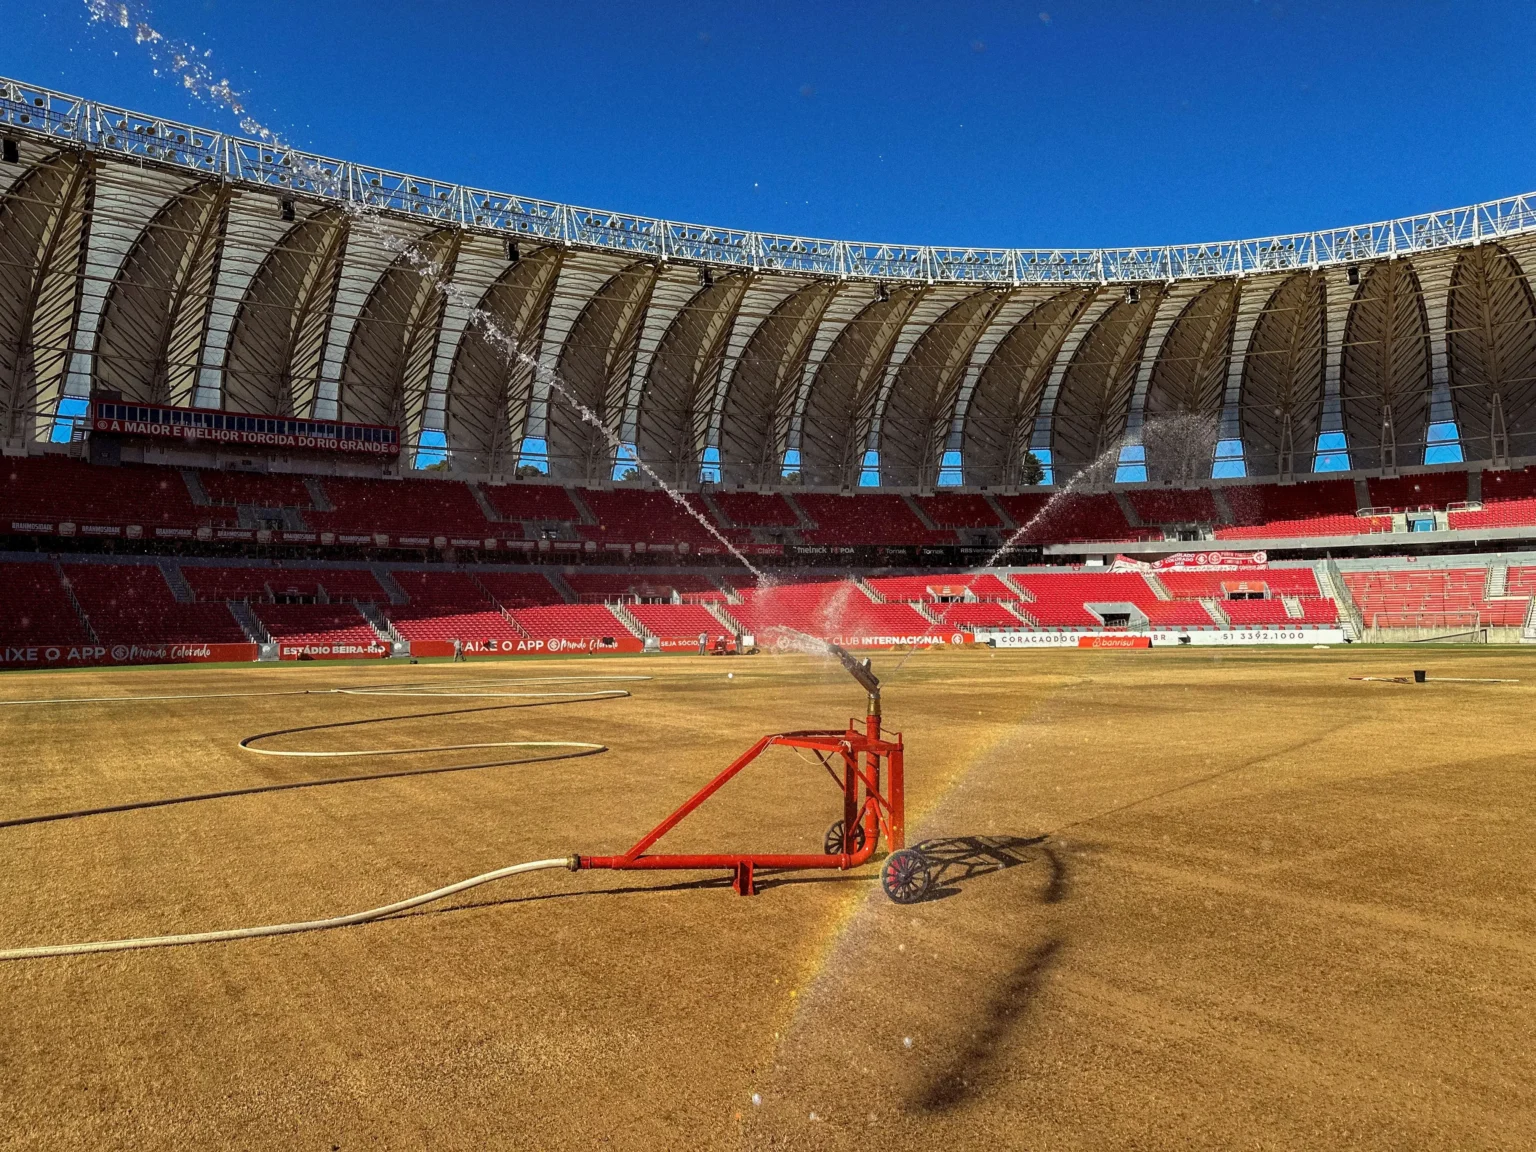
point(458, 650)
point(703, 643)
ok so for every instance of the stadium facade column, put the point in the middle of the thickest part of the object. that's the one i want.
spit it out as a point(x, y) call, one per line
point(1104, 299)
point(1434, 272)
point(1516, 440)
point(1169, 310)
point(932, 321)
point(841, 310)
point(368, 259)
point(675, 288)
point(1340, 299)
point(1254, 297)
point(1019, 304)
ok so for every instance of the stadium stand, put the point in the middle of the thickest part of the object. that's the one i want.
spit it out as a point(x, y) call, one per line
point(1500, 514)
point(1430, 489)
point(601, 587)
point(133, 604)
point(1023, 507)
point(419, 508)
point(834, 608)
point(959, 510)
point(1431, 597)
point(519, 589)
point(450, 624)
point(263, 489)
point(917, 589)
point(1060, 598)
point(642, 516)
point(1195, 583)
point(1075, 516)
point(676, 621)
point(970, 617)
point(572, 620)
point(209, 583)
point(40, 492)
point(1314, 526)
point(58, 488)
point(35, 608)
point(693, 588)
point(756, 509)
point(874, 518)
point(441, 589)
point(317, 624)
point(1258, 503)
point(1509, 484)
point(531, 502)
point(1257, 613)
point(1175, 506)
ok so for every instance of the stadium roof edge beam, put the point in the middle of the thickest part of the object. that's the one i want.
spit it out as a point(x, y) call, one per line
point(35, 110)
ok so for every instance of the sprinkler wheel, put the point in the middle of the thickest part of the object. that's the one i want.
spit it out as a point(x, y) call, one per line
point(905, 876)
point(833, 842)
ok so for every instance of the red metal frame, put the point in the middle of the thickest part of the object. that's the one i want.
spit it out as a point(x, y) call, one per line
point(867, 760)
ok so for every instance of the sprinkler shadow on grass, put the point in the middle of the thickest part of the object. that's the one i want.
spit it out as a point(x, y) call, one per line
point(988, 1028)
point(956, 860)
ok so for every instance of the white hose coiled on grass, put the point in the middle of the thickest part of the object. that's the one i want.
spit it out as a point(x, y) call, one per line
point(46, 951)
point(474, 688)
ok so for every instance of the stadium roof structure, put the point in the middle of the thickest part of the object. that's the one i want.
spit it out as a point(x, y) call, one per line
point(176, 264)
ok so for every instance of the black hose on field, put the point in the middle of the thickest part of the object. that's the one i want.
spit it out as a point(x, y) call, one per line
point(193, 798)
point(576, 749)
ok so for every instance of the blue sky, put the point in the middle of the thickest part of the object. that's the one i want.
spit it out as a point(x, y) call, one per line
point(1038, 123)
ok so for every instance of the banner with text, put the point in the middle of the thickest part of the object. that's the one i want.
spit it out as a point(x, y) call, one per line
point(544, 646)
point(1205, 638)
point(86, 655)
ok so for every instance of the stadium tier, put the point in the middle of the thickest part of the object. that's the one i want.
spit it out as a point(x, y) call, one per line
point(756, 509)
point(1186, 583)
point(51, 489)
point(676, 621)
point(260, 489)
point(540, 502)
point(1434, 598)
point(942, 586)
point(876, 518)
point(318, 625)
point(640, 516)
point(449, 624)
point(570, 620)
point(52, 494)
point(441, 589)
point(1427, 490)
point(247, 583)
point(831, 609)
point(136, 602)
point(421, 508)
point(980, 616)
point(133, 604)
point(519, 589)
point(959, 510)
point(35, 608)
point(1078, 517)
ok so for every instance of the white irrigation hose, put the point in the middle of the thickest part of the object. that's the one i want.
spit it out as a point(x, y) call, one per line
point(433, 748)
point(421, 689)
point(53, 950)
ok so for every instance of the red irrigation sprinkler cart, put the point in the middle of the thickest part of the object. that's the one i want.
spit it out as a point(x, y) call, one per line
point(865, 766)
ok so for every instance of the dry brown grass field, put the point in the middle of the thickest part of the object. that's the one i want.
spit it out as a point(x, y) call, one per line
point(1189, 899)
